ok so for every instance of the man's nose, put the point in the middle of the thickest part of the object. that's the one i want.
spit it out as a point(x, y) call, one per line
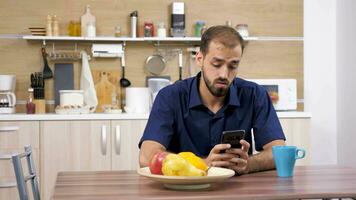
point(224, 72)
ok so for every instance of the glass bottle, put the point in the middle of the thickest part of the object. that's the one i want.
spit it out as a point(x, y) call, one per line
point(30, 106)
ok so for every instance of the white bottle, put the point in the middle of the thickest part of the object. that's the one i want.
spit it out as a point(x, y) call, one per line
point(161, 30)
point(133, 17)
point(91, 30)
point(85, 20)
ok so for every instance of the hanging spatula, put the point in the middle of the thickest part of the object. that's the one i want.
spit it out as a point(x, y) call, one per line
point(47, 72)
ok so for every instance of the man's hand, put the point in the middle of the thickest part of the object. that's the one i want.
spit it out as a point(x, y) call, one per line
point(235, 159)
point(217, 159)
point(239, 163)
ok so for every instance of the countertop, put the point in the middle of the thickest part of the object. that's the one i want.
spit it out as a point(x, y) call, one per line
point(102, 116)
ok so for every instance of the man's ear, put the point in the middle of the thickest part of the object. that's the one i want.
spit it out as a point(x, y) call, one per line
point(199, 57)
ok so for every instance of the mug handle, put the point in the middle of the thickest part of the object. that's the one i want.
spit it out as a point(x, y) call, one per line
point(297, 154)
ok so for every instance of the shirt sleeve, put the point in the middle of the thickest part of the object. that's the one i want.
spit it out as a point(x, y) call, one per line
point(266, 125)
point(160, 123)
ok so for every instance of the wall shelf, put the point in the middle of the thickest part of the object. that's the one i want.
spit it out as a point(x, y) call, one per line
point(149, 39)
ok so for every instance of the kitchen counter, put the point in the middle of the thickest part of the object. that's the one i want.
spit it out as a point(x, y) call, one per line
point(103, 116)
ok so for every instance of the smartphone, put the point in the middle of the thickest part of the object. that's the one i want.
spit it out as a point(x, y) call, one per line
point(233, 137)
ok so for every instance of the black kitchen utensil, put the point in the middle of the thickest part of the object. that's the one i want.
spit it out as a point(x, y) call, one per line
point(47, 72)
point(124, 82)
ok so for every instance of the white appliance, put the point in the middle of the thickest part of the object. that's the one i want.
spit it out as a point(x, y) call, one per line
point(154, 86)
point(283, 92)
point(7, 95)
point(107, 50)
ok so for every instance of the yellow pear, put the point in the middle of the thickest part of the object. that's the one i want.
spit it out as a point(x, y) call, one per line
point(175, 165)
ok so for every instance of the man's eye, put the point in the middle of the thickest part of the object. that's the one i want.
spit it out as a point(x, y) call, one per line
point(216, 65)
point(235, 66)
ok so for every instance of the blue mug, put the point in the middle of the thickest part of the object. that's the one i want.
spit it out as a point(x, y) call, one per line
point(284, 159)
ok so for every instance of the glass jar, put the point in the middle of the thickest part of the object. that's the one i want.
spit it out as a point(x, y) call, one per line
point(161, 30)
point(117, 31)
point(198, 28)
point(148, 29)
point(242, 29)
point(30, 106)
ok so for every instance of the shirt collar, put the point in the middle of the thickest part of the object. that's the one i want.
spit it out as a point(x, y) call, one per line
point(233, 98)
point(195, 99)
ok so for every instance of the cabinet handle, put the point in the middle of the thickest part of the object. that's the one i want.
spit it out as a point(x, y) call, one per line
point(103, 140)
point(118, 140)
point(9, 128)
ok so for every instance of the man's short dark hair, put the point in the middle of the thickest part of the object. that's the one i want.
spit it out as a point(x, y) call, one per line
point(226, 35)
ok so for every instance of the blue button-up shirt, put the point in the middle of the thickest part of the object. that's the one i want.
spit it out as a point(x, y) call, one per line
point(180, 121)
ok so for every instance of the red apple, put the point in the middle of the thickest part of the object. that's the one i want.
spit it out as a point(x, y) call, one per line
point(156, 163)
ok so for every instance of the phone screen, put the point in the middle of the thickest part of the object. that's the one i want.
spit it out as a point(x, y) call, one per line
point(233, 137)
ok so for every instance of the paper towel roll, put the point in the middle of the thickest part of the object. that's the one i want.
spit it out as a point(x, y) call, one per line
point(137, 100)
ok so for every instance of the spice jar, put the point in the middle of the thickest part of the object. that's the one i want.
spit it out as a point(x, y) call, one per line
point(242, 29)
point(148, 29)
point(161, 30)
point(30, 106)
point(117, 31)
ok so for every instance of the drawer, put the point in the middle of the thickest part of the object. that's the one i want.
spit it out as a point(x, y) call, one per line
point(15, 135)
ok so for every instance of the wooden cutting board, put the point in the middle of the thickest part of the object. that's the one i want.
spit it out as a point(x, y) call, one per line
point(106, 82)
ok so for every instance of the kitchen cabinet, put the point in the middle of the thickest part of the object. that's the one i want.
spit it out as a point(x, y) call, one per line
point(73, 146)
point(297, 132)
point(86, 146)
point(14, 135)
point(125, 137)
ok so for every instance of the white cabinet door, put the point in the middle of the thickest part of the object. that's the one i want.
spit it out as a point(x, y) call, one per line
point(125, 137)
point(14, 136)
point(297, 132)
point(73, 146)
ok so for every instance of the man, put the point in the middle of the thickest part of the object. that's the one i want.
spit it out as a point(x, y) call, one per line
point(191, 115)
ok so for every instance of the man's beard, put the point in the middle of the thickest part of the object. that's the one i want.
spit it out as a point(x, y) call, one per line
point(217, 92)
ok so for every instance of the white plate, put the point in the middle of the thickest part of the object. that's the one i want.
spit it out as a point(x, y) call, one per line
point(215, 174)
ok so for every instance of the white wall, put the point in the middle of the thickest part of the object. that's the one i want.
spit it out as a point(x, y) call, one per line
point(320, 78)
point(346, 81)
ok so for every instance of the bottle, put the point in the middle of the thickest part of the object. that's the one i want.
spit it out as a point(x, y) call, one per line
point(91, 30)
point(161, 30)
point(117, 31)
point(49, 26)
point(148, 29)
point(86, 19)
point(71, 28)
point(55, 27)
point(133, 17)
point(113, 98)
point(30, 106)
point(198, 28)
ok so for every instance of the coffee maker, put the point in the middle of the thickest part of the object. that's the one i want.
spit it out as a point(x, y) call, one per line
point(7, 94)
